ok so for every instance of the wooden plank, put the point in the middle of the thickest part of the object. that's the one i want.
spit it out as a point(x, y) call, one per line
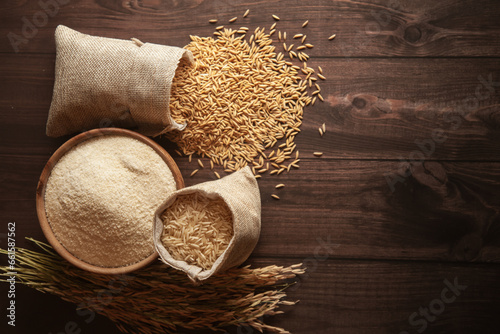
point(374, 109)
point(389, 216)
point(52, 317)
point(447, 211)
point(339, 296)
point(374, 297)
point(364, 28)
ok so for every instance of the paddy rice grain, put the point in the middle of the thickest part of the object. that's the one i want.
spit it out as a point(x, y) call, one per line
point(241, 98)
point(237, 101)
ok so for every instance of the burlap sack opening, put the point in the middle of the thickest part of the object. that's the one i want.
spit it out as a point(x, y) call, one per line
point(240, 192)
point(102, 82)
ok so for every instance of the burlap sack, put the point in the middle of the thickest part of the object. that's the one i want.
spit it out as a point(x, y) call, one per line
point(102, 82)
point(240, 192)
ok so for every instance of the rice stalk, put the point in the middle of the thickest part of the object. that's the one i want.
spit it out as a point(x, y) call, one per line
point(159, 299)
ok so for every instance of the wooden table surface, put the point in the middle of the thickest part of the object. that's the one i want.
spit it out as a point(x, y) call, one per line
point(398, 222)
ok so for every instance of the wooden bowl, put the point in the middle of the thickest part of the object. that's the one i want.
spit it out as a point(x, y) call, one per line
point(40, 196)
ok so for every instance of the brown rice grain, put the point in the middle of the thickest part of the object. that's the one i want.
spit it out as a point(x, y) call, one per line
point(197, 229)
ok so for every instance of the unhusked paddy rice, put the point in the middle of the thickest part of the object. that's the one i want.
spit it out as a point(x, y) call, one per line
point(238, 101)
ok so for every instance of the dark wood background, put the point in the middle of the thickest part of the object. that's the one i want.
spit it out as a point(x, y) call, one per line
point(412, 89)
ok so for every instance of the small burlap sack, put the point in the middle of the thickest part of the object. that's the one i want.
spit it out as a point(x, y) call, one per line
point(240, 192)
point(101, 82)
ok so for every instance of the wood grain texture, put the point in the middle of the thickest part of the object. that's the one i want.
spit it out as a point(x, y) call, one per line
point(343, 296)
point(364, 28)
point(392, 209)
point(374, 109)
point(446, 211)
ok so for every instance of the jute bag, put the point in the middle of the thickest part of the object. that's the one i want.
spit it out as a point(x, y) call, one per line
point(240, 192)
point(101, 82)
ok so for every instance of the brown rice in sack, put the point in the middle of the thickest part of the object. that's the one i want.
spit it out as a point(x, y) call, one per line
point(101, 82)
point(209, 227)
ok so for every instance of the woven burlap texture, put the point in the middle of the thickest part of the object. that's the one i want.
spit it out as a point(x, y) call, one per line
point(102, 82)
point(240, 192)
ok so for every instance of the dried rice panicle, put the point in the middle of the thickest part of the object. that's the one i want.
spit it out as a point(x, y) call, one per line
point(158, 299)
point(238, 100)
point(197, 229)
